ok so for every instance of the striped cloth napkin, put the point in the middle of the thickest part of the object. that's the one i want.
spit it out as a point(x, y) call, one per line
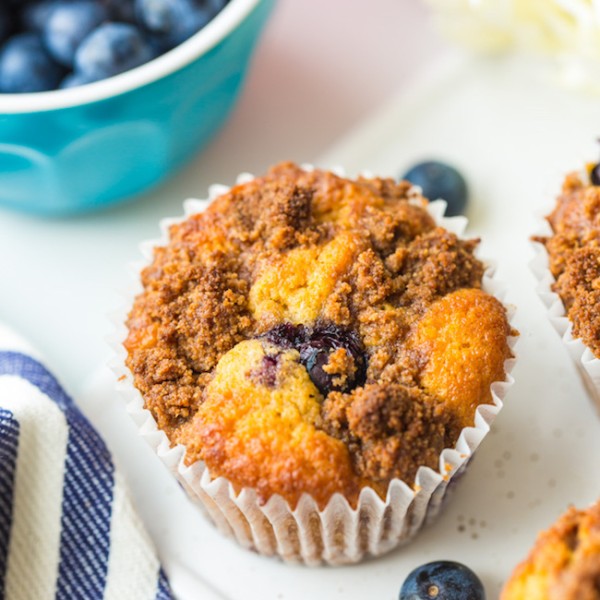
point(68, 529)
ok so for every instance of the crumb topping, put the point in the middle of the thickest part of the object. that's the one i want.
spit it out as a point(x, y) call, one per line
point(311, 333)
point(574, 253)
point(564, 563)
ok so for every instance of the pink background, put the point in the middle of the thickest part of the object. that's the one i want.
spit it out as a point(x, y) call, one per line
point(321, 67)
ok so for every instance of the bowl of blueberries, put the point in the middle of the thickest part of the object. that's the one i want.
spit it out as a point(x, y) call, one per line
point(102, 99)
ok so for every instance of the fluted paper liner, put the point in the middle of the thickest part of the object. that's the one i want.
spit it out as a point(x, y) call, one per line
point(585, 361)
point(338, 534)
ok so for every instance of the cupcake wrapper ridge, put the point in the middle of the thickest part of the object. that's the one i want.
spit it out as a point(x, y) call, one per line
point(585, 361)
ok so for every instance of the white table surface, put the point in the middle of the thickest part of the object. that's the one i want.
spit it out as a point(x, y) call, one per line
point(309, 89)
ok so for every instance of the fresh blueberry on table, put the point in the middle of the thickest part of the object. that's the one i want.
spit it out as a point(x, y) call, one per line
point(69, 23)
point(111, 49)
point(440, 180)
point(26, 66)
point(442, 580)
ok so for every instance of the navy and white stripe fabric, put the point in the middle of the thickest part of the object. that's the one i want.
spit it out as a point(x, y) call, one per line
point(68, 529)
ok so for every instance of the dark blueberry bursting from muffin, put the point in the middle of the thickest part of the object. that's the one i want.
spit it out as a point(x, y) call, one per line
point(287, 335)
point(316, 347)
point(442, 580)
point(316, 351)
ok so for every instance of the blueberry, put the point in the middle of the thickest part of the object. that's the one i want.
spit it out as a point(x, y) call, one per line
point(158, 42)
point(69, 23)
point(26, 66)
point(315, 346)
point(314, 355)
point(35, 15)
point(120, 10)
point(442, 580)
point(75, 80)
point(6, 21)
point(112, 49)
point(176, 20)
point(287, 335)
point(314, 358)
point(440, 180)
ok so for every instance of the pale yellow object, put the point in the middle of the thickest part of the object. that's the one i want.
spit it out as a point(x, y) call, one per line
point(460, 340)
point(298, 288)
point(265, 436)
point(558, 27)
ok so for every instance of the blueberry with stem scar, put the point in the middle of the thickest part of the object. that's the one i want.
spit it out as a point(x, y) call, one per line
point(442, 580)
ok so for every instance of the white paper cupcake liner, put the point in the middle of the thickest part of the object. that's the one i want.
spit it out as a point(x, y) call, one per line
point(338, 534)
point(585, 361)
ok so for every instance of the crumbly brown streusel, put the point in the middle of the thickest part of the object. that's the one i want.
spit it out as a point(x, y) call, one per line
point(564, 563)
point(574, 251)
point(320, 257)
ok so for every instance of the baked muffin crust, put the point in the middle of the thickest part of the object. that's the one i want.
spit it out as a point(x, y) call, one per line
point(564, 563)
point(574, 252)
point(309, 333)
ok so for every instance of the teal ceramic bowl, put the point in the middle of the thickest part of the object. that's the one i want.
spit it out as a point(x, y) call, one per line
point(81, 149)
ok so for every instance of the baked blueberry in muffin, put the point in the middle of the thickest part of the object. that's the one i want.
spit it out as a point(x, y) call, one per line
point(309, 333)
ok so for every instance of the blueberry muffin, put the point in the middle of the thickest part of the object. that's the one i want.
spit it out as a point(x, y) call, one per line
point(574, 255)
point(313, 334)
point(564, 563)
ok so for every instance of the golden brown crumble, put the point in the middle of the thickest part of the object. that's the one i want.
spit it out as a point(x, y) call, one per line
point(305, 252)
point(574, 256)
point(564, 563)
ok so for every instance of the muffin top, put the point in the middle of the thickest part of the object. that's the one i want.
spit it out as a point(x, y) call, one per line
point(564, 563)
point(311, 333)
point(574, 251)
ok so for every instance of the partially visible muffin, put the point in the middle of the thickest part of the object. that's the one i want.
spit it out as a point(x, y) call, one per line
point(564, 563)
point(574, 253)
point(309, 333)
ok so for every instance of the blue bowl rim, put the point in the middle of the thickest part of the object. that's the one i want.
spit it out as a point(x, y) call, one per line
point(209, 36)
